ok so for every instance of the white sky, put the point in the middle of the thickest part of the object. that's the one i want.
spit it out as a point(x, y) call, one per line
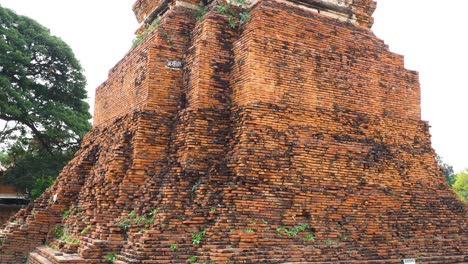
point(430, 33)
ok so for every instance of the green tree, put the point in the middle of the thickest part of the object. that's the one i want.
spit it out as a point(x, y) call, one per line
point(447, 169)
point(42, 93)
point(461, 185)
point(3, 157)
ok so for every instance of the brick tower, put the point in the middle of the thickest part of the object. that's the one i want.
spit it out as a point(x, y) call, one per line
point(272, 131)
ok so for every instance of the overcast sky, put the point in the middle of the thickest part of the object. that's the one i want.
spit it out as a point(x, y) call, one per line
point(431, 34)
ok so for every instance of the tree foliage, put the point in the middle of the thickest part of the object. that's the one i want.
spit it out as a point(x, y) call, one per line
point(42, 93)
point(461, 185)
point(447, 169)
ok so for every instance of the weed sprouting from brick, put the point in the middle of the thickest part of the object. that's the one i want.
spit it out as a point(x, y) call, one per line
point(133, 219)
point(67, 212)
point(201, 10)
point(86, 229)
point(308, 237)
point(173, 246)
point(197, 237)
point(63, 234)
point(229, 9)
point(235, 17)
point(145, 33)
point(111, 256)
point(249, 230)
point(294, 231)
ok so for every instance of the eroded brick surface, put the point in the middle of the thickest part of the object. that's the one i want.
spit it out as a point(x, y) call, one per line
point(294, 138)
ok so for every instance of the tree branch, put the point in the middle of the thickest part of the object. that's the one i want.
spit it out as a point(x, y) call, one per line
point(3, 133)
point(39, 137)
point(33, 128)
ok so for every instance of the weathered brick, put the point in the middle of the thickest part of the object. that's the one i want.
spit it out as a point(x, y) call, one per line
point(292, 138)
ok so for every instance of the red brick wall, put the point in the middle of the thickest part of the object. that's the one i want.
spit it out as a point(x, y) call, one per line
point(133, 85)
point(262, 131)
point(126, 89)
point(328, 65)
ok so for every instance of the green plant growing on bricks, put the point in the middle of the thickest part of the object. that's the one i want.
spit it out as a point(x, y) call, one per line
point(173, 246)
point(67, 212)
point(197, 237)
point(166, 36)
point(235, 17)
point(201, 10)
point(62, 233)
point(111, 256)
point(294, 231)
point(86, 229)
point(229, 9)
point(133, 219)
point(308, 237)
point(192, 259)
point(145, 33)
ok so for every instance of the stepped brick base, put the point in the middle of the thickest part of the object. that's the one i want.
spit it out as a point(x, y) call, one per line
point(44, 255)
point(294, 137)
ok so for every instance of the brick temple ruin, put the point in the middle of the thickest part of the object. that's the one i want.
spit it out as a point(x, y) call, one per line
point(290, 134)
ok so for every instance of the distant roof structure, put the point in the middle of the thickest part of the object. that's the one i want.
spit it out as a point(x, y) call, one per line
point(8, 194)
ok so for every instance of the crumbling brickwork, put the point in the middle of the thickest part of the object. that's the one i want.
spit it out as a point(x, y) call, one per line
point(294, 137)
